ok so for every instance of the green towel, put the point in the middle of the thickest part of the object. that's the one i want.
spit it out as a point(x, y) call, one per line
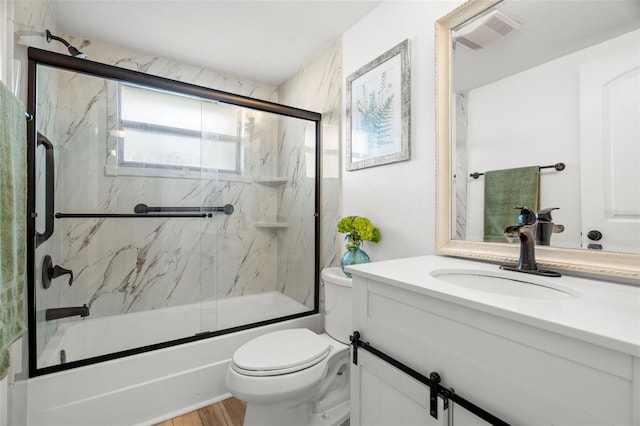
point(503, 190)
point(13, 221)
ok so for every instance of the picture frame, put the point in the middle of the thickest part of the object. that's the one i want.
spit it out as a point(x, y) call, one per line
point(378, 110)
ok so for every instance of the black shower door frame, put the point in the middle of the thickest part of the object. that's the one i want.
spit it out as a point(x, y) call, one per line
point(43, 57)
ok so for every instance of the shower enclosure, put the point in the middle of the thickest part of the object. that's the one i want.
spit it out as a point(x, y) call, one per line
point(161, 212)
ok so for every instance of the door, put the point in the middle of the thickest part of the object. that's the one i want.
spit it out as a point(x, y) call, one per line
point(610, 152)
point(382, 395)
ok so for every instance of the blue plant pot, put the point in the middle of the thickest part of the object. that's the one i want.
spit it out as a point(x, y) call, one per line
point(353, 257)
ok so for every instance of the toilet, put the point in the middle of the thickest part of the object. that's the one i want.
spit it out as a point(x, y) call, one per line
point(297, 377)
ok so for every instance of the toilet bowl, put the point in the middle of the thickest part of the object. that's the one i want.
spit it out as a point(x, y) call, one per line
point(297, 377)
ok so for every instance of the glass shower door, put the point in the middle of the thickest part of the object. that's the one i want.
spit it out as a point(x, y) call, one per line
point(263, 262)
point(120, 219)
point(163, 213)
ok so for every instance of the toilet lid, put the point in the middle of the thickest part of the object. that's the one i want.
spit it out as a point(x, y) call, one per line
point(280, 352)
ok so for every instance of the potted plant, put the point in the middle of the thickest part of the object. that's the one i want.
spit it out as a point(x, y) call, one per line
point(357, 230)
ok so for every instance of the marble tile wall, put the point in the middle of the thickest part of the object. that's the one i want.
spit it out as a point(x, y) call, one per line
point(462, 124)
point(132, 265)
point(317, 87)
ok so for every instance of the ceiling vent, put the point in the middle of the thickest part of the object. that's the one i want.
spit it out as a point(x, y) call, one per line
point(486, 30)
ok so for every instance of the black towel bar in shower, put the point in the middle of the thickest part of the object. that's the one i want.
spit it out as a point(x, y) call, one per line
point(558, 166)
point(142, 210)
point(127, 215)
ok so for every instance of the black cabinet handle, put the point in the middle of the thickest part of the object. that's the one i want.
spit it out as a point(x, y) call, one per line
point(594, 235)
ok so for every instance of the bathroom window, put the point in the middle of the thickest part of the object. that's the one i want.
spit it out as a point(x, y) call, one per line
point(162, 130)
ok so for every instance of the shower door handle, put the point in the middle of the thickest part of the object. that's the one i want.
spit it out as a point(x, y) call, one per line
point(49, 188)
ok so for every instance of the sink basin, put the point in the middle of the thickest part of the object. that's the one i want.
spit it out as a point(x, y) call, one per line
point(505, 283)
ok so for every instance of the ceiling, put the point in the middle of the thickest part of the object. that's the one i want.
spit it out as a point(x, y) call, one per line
point(265, 41)
point(549, 29)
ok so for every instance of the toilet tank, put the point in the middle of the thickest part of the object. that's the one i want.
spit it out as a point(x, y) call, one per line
point(337, 304)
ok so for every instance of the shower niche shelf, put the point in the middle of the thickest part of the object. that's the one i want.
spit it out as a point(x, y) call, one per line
point(274, 181)
point(275, 184)
point(271, 225)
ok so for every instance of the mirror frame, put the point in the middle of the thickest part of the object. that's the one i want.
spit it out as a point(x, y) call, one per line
point(610, 264)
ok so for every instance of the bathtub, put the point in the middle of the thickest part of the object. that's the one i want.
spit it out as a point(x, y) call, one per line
point(150, 387)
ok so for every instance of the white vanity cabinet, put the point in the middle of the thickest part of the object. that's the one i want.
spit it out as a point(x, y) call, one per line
point(527, 361)
point(387, 397)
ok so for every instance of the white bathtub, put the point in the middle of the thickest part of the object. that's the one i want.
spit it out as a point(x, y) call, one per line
point(150, 387)
point(88, 337)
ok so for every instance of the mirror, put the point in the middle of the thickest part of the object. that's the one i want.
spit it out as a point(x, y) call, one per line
point(537, 83)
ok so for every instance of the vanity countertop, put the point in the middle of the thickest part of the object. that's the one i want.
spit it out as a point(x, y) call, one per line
point(599, 312)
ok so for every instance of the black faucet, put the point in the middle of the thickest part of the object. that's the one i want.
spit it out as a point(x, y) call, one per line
point(57, 313)
point(526, 231)
point(546, 227)
point(49, 272)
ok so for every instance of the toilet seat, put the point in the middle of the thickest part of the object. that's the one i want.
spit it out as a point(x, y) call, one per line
point(280, 352)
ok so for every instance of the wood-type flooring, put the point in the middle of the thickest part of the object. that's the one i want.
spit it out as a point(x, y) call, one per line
point(229, 412)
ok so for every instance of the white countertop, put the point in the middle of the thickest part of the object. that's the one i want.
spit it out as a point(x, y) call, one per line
point(599, 312)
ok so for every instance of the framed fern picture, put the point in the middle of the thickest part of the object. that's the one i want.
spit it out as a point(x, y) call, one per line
point(378, 110)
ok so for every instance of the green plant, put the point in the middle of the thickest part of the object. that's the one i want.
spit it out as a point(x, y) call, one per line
point(358, 229)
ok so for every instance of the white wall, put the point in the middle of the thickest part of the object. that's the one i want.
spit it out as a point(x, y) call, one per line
point(527, 119)
point(6, 43)
point(533, 118)
point(399, 198)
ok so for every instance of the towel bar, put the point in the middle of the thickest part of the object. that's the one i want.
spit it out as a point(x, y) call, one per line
point(558, 166)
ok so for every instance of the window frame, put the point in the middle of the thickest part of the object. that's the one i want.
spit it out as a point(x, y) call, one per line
point(122, 164)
